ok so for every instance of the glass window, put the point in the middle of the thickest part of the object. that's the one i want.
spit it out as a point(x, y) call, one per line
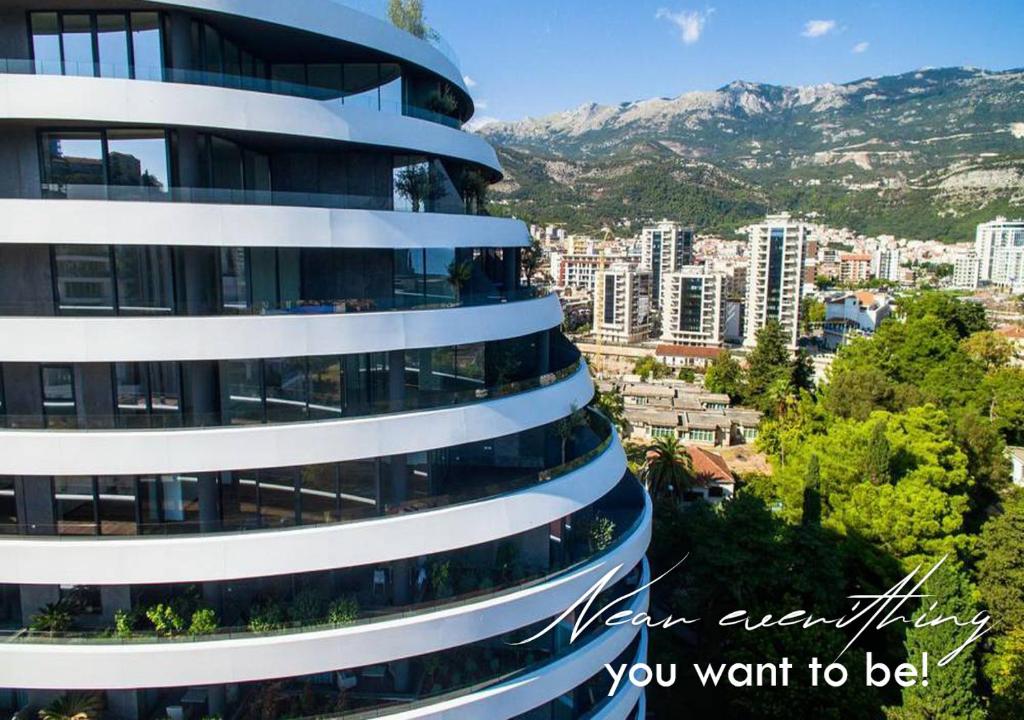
point(59, 396)
point(391, 88)
point(225, 164)
point(469, 366)
point(145, 279)
point(147, 46)
point(443, 278)
point(76, 37)
point(244, 390)
point(326, 388)
point(117, 505)
point(165, 393)
point(277, 497)
point(112, 40)
point(256, 167)
point(132, 394)
point(412, 185)
point(285, 384)
point(287, 78)
point(86, 599)
point(232, 59)
point(46, 43)
point(84, 279)
point(326, 77)
point(138, 158)
point(8, 506)
point(361, 85)
point(71, 160)
point(212, 56)
point(234, 278)
point(358, 488)
point(74, 505)
point(179, 502)
point(409, 273)
point(319, 494)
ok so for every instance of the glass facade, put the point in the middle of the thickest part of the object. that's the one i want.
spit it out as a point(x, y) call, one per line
point(306, 495)
point(691, 304)
point(98, 44)
point(79, 164)
point(157, 280)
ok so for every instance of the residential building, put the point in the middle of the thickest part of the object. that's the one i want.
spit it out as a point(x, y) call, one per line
point(622, 304)
point(665, 248)
point(854, 268)
point(735, 323)
point(688, 412)
point(886, 264)
point(996, 244)
point(853, 314)
point(693, 307)
point(713, 481)
point(271, 376)
point(775, 276)
point(579, 271)
point(695, 357)
point(1016, 456)
point(966, 271)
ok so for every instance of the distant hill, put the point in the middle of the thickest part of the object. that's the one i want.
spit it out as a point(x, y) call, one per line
point(924, 155)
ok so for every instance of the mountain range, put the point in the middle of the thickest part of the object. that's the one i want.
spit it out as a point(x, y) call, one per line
point(923, 155)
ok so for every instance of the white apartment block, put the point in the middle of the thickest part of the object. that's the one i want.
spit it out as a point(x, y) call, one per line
point(885, 264)
point(998, 245)
point(579, 271)
point(665, 248)
point(775, 276)
point(966, 271)
point(622, 304)
point(693, 307)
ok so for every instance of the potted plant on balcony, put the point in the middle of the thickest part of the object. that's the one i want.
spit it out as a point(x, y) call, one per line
point(73, 706)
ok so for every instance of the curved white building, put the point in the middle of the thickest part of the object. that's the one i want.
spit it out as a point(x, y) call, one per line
point(284, 431)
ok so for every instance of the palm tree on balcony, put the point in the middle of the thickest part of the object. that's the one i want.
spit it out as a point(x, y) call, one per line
point(668, 471)
point(73, 706)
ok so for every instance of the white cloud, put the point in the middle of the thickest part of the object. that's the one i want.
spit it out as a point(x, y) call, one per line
point(817, 28)
point(689, 22)
point(470, 82)
point(480, 121)
point(861, 47)
point(480, 104)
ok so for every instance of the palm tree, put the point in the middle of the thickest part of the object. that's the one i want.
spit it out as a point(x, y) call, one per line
point(668, 472)
point(73, 706)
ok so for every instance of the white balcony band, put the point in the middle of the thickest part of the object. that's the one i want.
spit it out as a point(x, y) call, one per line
point(227, 556)
point(335, 20)
point(523, 694)
point(231, 337)
point(144, 452)
point(178, 664)
point(91, 222)
point(54, 99)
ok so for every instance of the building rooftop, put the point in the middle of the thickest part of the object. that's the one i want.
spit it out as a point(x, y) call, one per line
point(688, 351)
point(659, 418)
point(709, 468)
point(648, 391)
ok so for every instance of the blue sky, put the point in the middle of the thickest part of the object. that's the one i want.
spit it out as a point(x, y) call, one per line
point(534, 57)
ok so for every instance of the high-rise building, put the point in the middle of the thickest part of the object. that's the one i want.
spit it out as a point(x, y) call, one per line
point(775, 276)
point(693, 307)
point(966, 271)
point(664, 248)
point(622, 304)
point(282, 427)
point(998, 245)
point(885, 264)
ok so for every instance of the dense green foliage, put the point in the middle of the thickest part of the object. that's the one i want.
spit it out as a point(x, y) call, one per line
point(895, 462)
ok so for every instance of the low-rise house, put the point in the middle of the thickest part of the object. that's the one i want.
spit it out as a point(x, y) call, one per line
point(854, 314)
point(713, 481)
point(1016, 455)
point(1015, 334)
point(687, 356)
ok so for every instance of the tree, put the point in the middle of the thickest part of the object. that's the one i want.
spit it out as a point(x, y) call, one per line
point(73, 706)
point(669, 469)
point(952, 690)
point(961, 318)
point(802, 372)
point(813, 312)
point(415, 184)
point(531, 258)
point(650, 367)
point(768, 363)
point(408, 15)
point(725, 376)
point(1005, 671)
point(878, 462)
point(687, 375)
point(613, 407)
point(1001, 563)
point(989, 348)
point(812, 494)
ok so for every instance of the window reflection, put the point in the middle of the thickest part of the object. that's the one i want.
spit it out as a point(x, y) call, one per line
point(74, 505)
point(112, 41)
point(145, 279)
point(46, 42)
point(147, 45)
point(58, 396)
point(76, 41)
point(8, 506)
point(70, 159)
point(138, 158)
point(84, 279)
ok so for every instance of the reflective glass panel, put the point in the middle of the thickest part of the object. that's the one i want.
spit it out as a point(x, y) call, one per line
point(325, 388)
point(84, 279)
point(46, 43)
point(319, 494)
point(117, 505)
point(285, 383)
point(74, 505)
point(71, 160)
point(244, 390)
point(8, 506)
point(112, 40)
point(138, 158)
point(361, 85)
point(59, 396)
point(234, 278)
point(77, 40)
point(147, 45)
point(145, 279)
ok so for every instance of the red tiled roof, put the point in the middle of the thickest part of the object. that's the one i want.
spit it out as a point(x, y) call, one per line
point(709, 468)
point(854, 257)
point(693, 351)
point(1015, 332)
